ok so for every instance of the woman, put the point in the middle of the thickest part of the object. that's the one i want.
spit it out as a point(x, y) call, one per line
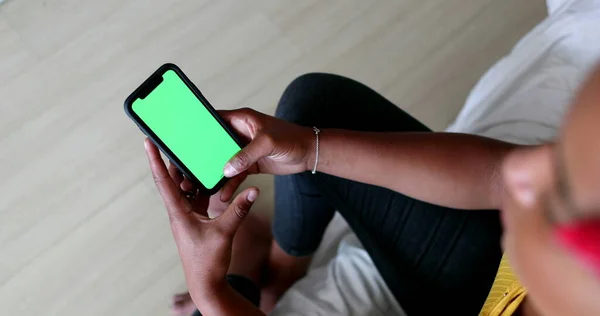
point(520, 180)
point(435, 256)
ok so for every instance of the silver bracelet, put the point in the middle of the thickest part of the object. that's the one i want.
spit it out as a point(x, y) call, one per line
point(317, 131)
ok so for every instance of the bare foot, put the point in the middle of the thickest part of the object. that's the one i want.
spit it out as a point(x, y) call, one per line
point(182, 305)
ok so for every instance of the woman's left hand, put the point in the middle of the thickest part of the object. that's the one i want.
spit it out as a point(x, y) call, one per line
point(204, 244)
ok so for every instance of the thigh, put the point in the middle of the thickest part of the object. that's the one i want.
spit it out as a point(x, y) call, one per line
point(325, 101)
point(332, 101)
point(434, 259)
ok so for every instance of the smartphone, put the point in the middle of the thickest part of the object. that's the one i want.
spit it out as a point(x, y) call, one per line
point(172, 112)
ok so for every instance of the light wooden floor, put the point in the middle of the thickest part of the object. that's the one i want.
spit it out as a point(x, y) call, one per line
point(82, 231)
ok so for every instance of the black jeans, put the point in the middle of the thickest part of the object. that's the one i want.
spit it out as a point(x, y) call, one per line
point(434, 259)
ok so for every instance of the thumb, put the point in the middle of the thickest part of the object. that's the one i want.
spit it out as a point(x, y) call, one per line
point(237, 211)
point(258, 148)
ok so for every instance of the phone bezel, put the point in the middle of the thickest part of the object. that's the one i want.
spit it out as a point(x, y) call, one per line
point(145, 86)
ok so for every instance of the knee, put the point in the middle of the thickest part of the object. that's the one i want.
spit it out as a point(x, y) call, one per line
point(306, 97)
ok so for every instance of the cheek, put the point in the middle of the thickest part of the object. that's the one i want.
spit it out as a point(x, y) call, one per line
point(526, 258)
point(525, 174)
point(514, 240)
point(526, 243)
point(523, 260)
point(505, 219)
point(521, 256)
point(556, 285)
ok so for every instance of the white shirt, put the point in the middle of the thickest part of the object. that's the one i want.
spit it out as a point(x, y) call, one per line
point(524, 97)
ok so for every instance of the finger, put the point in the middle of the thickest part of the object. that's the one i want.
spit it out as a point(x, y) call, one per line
point(260, 147)
point(182, 297)
point(188, 186)
point(168, 191)
point(175, 174)
point(182, 305)
point(180, 180)
point(237, 211)
point(231, 186)
point(200, 205)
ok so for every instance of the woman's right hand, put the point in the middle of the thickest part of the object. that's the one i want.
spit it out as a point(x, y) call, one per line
point(274, 146)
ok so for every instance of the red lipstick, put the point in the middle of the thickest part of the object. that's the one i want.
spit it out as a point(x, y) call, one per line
point(583, 238)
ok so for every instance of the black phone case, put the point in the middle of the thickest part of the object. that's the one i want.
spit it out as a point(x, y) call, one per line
point(152, 82)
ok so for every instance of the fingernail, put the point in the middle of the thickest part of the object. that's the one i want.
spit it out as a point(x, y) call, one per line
point(146, 144)
point(252, 195)
point(229, 171)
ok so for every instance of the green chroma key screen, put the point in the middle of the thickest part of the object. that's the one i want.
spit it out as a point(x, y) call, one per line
point(187, 128)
